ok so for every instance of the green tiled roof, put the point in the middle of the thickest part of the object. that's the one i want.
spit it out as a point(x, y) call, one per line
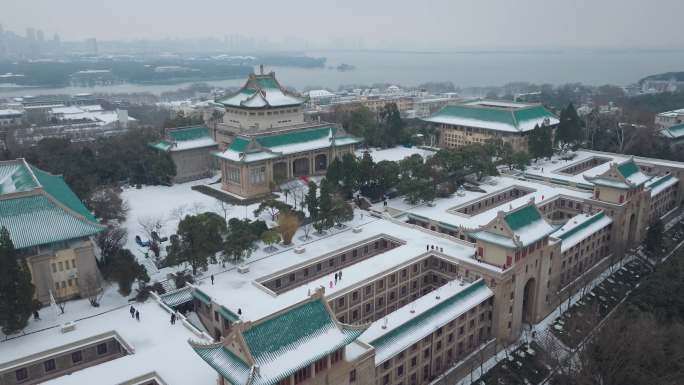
point(582, 226)
point(59, 190)
point(163, 145)
point(188, 133)
point(509, 116)
point(269, 141)
point(36, 220)
point(295, 137)
point(414, 325)
point(522, 217)
point(530, 113)
point(229, 315)
point(267, 338)
point(266, 81)
point(177, 297)
point(200, 295)
point(657, 182)
point(15, 176)
point(225, 362)
point(675, 132)
point(479, 113)
point(628, 168)
point(283, 344)
point(239, 145)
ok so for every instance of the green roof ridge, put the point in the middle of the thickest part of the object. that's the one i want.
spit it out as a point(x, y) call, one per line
point(268, 337)
point(660, 181)
point(628, 168)
point(522, 217)
point(295, 137)
point(37, 220)
point(57, 188)
point(582, 226)
point(21, 177)
point(202, 296)
point(479, 113)
point(188, 133)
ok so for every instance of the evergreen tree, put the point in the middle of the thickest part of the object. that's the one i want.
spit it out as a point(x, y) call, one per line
point(201, 237)
point(334, 172)
point(311, 201)
point(325, 206)
point(391, 126)
point(16, 289)
point(569, 129)
point(350, 174)
point(539, 142)
point(654, 235)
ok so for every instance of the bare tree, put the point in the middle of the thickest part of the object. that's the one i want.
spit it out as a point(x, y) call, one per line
point(151, 224)
point(92, 288)
point(109, 241)
point(306, 228)
point(179, 213)
point(224, 207)
point(197, 208)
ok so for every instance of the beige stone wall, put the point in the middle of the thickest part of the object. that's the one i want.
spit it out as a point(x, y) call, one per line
point(63, 271)
point(64, 363)
point(238, 120)
point(193, 164)
point(247, 189)
point(457, 136)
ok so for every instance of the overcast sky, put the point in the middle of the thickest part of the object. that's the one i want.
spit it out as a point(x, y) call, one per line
point(428, 24)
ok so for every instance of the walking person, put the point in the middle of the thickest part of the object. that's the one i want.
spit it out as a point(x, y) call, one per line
point(137, 316)
point(335, 277)
point(212, 279)
point(340, 275)
point(132, 311)
point(173, 318)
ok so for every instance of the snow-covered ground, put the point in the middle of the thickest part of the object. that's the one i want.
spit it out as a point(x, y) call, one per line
point(51, 316)
point(394, 154)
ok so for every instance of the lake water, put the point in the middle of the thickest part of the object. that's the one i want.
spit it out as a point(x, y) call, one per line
point(464, 69)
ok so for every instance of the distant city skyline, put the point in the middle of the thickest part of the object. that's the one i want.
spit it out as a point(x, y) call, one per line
point(435, 25)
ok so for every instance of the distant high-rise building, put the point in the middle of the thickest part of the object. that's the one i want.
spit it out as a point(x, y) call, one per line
point(31, 34)
point(91, 45)
point(40, 36)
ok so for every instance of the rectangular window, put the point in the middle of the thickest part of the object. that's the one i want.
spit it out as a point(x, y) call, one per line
point(352, 376)
point(49, 365)
point(102, 348)
point(257, 175)
point(21, 374)
point(76, 357)
point(233, 174)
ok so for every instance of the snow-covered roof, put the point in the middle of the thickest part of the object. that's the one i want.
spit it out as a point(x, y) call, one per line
point(281, 345)
point(394, 154)
point(185, 138)
point(10, 113)
point(495, 115)
point(442, 210)
point(674, 132)
point(526, 225)
point(46, 211)
point(661, 183)
point(551, 170)
point(262, 91)
point(579, 228)
point(252, 149)
point(236, 290)
point(315, 94)
point(156, 347)
point(414, 321)
point(673, 113)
